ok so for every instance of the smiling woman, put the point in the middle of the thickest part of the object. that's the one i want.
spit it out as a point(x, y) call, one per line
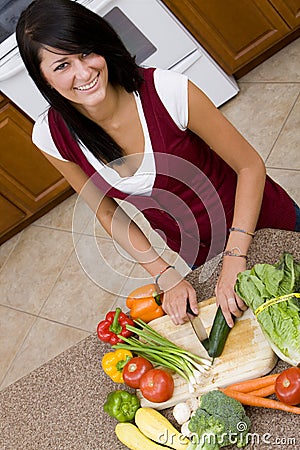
point(150, 137)
point(81, 78)
point(66, 29)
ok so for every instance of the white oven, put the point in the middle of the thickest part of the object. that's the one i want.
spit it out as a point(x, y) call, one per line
point(148, 29)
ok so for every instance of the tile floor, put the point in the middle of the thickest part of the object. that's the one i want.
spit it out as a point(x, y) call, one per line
point(60, 275)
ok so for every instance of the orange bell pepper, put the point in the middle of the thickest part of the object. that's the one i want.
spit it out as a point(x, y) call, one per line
point(145, 303)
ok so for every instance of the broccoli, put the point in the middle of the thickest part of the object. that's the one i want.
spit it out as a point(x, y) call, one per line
point(219, 421)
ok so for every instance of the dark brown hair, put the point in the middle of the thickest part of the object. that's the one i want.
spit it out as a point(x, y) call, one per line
point(68, 26)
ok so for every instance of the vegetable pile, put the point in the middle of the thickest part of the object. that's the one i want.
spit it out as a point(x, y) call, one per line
point(156, 384)
point(162, 352)
point(272, 292)
point(145, 360)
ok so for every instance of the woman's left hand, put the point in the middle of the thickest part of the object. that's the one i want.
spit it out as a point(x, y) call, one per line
point(226, 297)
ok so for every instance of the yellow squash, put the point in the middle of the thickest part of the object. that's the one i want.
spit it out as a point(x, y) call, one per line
point(157, 427)
point(134, 439)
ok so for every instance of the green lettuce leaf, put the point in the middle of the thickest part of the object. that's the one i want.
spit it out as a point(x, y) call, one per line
point(279, 322)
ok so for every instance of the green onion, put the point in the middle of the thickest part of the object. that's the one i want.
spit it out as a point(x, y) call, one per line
point(164, 353)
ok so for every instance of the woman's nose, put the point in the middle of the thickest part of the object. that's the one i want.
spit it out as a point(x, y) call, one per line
point(81, 69)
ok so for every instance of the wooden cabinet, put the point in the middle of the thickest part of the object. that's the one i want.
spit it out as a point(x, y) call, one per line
point(29, 184)
point(239, 34)
point(289, 10)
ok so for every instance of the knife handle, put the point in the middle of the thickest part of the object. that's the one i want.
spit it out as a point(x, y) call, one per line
point(188, 308)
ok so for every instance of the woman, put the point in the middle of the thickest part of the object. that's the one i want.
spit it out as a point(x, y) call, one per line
point(150, 137)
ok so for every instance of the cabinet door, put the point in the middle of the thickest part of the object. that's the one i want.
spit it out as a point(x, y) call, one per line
point(289, 10)
point(233, 32)
point(26, 176)
point(10, 215)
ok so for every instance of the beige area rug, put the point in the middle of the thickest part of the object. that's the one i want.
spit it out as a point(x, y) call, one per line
point(59, 405)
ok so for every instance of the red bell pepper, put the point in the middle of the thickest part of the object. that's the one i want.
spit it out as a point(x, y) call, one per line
point(114, 323)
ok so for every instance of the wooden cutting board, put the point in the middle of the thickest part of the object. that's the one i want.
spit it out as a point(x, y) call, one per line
point(246, 354)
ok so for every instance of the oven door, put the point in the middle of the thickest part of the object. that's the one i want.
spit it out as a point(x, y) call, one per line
point(10, 11)
point(149, 31)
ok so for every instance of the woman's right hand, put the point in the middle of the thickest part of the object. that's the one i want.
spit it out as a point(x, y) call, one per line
point(175, 299)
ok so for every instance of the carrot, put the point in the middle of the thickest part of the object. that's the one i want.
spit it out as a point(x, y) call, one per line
point(254, 384)
point(253, 400)
point(264, 391)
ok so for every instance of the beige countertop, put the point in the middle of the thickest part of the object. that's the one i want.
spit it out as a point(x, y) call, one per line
point(59, 405)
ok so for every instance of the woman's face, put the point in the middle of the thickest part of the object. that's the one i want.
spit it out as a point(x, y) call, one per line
point(80, 78)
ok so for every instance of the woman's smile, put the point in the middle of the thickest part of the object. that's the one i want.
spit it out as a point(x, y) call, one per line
point(89, 86)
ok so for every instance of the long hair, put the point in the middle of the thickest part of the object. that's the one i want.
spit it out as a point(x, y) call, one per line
point(68, 26)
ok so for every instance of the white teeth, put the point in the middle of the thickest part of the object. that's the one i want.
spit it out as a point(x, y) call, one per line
point(88, 86)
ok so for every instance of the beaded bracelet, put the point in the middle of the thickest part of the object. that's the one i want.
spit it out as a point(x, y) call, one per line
point(163, 271)
point(233, 253)
point(241, 231)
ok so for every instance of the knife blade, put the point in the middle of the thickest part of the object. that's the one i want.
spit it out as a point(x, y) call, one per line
point(197, 326)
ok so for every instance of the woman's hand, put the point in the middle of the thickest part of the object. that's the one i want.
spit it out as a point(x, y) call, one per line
point(230, 302)
point(176, 293)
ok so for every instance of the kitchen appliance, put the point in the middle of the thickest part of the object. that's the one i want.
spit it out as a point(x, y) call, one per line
point(10, 11)
point(148, 29)
point(247, 354)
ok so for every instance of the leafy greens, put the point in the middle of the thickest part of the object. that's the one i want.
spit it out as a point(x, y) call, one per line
point(280, 320)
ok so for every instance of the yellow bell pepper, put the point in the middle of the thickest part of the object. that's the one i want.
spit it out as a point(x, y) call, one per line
point(113, 363)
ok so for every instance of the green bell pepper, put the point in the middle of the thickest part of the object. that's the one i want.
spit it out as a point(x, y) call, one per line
point(121, 405)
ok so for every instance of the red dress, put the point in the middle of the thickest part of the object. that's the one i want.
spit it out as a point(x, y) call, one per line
point(192, 201)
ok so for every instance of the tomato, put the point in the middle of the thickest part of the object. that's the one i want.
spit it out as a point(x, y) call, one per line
point(134, 369)
point(287, 386)
point(157, 385)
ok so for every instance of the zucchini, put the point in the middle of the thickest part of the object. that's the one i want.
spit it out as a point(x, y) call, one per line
point(158, 428)
point(218, 334)
point(133, 438)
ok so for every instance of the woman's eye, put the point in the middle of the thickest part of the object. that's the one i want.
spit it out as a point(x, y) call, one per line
point(60, 67)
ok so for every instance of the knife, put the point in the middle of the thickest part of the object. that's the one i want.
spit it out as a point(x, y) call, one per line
point(197, 326)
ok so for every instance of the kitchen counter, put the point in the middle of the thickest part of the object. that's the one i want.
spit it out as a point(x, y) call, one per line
point(59, 405)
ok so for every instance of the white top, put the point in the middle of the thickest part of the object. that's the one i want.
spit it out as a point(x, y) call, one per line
point(172, 90)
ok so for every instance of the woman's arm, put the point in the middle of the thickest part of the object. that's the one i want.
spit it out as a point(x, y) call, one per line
point(119, 225)
point(111, 216)
point(208, 122)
